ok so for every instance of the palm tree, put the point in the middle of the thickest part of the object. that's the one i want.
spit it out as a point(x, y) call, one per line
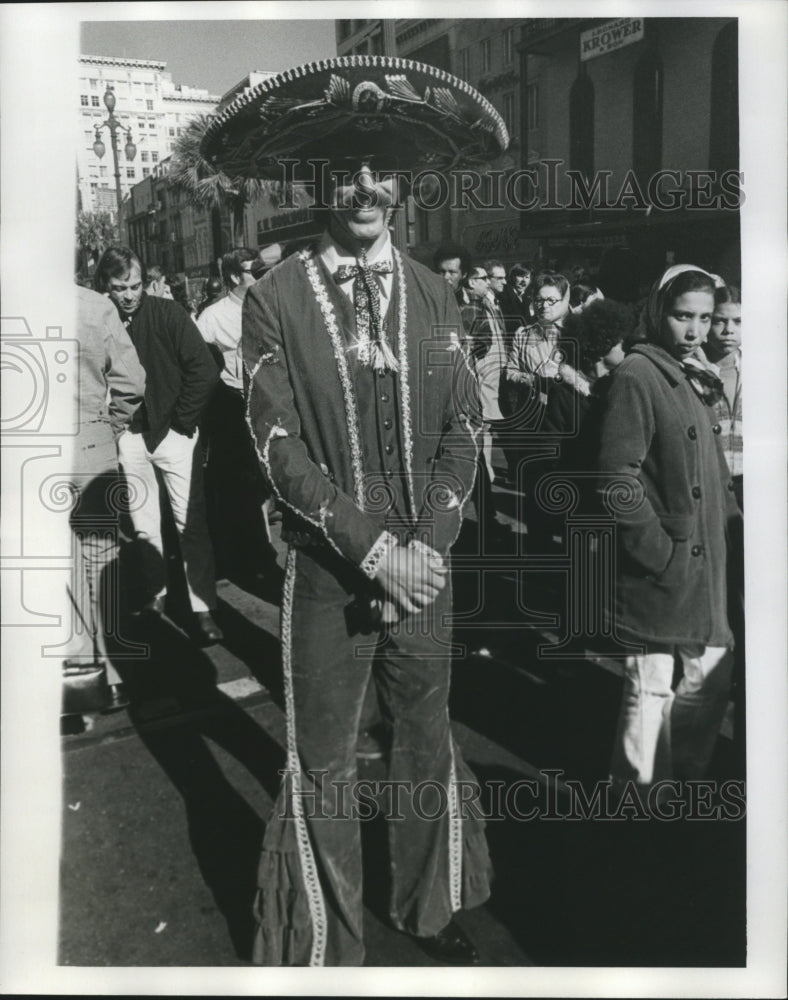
point(208, 188)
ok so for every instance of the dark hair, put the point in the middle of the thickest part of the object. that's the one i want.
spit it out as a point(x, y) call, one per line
point(452, 251)
point(473, 272)
point(552, 278)
point(115, 262)
point(213, 287)
point(687, 281)
point(153, 273)
point(600, 327)
point(231, 264)
point(581, 290)
point(178, 288)
point(488, 265)
point(212, 291)
point(518, 271)
point(726, 294)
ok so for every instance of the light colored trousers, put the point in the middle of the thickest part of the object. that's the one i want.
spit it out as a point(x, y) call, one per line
point(182, 476)
point(94, 593)
point(664, 734)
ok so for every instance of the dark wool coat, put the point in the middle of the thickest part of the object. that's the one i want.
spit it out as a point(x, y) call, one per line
point(180, 373)
point(671, 530)
point(303, 407)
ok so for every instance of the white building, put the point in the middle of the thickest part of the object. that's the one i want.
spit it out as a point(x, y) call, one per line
point(148, 103)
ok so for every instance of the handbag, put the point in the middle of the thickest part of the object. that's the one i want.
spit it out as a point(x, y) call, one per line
point(85, 688)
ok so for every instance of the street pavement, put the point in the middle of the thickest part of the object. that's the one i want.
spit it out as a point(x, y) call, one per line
point(164, 804)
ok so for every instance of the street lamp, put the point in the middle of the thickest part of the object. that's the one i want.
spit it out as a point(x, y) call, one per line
point(99, 148)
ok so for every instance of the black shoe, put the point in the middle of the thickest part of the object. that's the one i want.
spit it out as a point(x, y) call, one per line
point(118, 698)
point(450, 945)
point(207, 628)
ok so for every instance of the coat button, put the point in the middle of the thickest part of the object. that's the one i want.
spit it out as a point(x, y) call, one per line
point(388, 473)
point(697, 550)
point(389, 449)
point(717, 429)
point(384, 397)
point(387, 424)
point(692, 433)
point(696, 492)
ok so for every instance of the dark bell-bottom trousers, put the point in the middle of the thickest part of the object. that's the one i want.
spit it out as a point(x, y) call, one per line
point(309, 902)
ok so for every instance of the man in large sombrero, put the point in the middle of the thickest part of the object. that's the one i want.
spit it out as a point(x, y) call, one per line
point(365, 418)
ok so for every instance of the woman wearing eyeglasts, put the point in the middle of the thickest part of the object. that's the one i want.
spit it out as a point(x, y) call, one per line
point(532, 353)
point(532, 357)
point(533, 363)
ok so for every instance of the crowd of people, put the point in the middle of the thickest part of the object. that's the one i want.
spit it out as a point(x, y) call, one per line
point(301, 390)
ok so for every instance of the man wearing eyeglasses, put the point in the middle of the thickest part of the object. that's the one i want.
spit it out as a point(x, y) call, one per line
point(484, 337)
point(496, 277)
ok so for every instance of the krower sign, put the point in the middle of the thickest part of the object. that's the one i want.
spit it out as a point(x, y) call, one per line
point(610, 36)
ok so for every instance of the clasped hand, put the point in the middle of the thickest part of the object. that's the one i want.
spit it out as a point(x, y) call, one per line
point(412, 578)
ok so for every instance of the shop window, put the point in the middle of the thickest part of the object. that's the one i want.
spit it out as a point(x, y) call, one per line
point(507, 111)
point(724, 136)
point(508, 46)
point(532, 104)
point(647, 116)
point(486, 55)
point(581, 126)
point(464, 69)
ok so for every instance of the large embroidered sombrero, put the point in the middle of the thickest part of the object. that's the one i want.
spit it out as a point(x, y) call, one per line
point(414, 115)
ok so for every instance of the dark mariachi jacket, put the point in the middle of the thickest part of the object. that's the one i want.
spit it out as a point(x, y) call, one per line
point(302, 389)
point(664, 475)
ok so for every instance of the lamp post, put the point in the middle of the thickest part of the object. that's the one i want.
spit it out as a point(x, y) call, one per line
point(99, 148)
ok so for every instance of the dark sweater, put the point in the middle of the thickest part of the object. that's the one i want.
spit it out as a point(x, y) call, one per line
point(180, 373)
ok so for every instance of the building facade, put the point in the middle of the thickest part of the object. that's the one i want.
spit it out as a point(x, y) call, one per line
point(148, 103)
point(624, 139)
point(164, 228)
point(632, 128)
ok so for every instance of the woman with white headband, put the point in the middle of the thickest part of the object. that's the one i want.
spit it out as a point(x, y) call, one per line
point(665, 480)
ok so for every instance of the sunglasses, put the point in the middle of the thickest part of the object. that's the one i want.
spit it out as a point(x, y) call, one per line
point(348, 167)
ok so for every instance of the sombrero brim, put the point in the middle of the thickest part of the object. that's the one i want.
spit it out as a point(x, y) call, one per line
point(417, 115)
